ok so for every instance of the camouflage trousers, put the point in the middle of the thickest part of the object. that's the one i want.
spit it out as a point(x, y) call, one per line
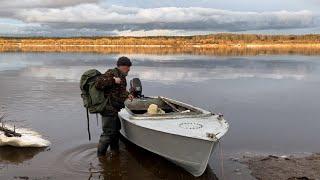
point(110, 135)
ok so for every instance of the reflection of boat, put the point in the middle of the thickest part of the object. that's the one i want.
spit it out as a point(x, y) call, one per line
point(156, 165)
point(185, 135)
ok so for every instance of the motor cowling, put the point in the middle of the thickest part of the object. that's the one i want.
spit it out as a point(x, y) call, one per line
point(136, 87)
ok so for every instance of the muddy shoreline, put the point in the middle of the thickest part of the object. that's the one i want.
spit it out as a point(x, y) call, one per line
point(283, 167)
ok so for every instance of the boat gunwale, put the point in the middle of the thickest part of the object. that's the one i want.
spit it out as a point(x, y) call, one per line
point(175, 115)
point(218, 136)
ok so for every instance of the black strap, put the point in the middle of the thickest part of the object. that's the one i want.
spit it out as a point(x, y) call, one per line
point(88, 125)
point(97, 119)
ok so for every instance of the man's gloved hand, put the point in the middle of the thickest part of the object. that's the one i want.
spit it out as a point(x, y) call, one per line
point(130, 97)
point(117, 80)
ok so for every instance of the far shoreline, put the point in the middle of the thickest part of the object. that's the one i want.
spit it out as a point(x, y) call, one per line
point(209, 50)
point(216, 44)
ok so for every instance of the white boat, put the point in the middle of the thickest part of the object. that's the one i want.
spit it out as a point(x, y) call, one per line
point(185, 135)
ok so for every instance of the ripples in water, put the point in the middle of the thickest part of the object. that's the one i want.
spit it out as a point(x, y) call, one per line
point(130, 162)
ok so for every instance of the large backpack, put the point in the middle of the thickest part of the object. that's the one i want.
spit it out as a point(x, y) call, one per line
point(93, 99)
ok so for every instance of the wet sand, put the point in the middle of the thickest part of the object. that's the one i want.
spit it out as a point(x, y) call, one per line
point(291, 167)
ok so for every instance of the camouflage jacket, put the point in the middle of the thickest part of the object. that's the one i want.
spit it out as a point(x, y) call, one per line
point(116, 92)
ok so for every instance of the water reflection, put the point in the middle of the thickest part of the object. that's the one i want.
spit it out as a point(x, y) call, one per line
point(258, 95)
point(169, 69)
point(131, 162)
point(16, 155)
point(173, 74)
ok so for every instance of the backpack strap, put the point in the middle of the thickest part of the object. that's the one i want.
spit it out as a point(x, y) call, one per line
point(88, 124)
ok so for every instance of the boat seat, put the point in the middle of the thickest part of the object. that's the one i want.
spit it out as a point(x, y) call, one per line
point(141, 105)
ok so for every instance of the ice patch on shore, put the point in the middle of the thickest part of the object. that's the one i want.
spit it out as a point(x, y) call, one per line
point(29, 138)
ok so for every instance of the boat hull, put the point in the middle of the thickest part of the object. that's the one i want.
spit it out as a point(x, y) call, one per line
point(189, 153)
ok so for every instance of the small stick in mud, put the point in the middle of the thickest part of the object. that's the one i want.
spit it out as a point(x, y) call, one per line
point(8, 132)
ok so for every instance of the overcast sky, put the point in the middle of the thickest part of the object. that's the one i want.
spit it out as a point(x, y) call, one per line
point(161, 17)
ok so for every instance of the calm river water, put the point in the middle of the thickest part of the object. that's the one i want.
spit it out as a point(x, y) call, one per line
point(271, 102)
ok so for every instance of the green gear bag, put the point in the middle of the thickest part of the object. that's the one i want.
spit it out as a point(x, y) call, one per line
point(93, 99)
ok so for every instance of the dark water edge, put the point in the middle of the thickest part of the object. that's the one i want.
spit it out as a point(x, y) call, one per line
point(271, 103)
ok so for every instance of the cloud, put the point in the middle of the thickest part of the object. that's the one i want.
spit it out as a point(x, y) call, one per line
point(193, 18)
point(41, 3)
point(91, 17)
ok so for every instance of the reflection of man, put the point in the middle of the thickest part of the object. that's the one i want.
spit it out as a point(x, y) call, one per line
point(112, 168)
point(113, 83)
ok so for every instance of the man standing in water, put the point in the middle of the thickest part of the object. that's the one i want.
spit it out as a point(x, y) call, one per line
point(113, 83)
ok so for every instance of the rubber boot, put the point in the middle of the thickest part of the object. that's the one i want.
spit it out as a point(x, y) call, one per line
point(114, 144)
point(102, 149)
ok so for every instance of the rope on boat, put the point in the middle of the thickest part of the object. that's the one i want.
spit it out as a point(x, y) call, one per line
point(97, 117)
point(221, 160)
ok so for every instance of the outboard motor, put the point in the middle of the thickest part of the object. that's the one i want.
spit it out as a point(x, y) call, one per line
point(136, 88)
